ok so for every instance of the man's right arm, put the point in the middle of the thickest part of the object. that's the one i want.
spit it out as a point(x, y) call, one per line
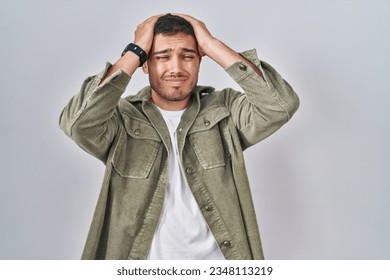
point(91, 118)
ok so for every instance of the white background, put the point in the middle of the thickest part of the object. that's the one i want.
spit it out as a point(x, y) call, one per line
point(320, 184)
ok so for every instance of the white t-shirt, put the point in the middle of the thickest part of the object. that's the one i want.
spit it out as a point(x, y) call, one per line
point(182, 232)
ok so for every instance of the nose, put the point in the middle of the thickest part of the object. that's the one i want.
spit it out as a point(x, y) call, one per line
point(175, 65)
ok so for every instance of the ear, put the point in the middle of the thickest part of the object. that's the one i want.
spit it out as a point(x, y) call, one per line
point(145, 67)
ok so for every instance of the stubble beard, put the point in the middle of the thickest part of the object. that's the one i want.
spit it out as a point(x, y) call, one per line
point(175, 94)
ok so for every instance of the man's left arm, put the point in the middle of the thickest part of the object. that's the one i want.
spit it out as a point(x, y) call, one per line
point(269, 101)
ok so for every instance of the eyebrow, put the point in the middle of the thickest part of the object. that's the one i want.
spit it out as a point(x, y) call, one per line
point(170, 50)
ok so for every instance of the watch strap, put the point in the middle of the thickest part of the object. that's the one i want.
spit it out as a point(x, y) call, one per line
point(138, 51)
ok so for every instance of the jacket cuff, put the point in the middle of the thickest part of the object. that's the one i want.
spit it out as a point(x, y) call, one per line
point(119, 79)
point(251, 55)
point(240, 70)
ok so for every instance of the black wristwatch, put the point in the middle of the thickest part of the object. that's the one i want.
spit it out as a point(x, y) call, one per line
point(138, 51)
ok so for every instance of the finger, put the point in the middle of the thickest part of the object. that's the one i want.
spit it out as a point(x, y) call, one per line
point(151, 20)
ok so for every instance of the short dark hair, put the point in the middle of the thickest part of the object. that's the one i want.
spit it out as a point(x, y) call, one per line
point(171, 25)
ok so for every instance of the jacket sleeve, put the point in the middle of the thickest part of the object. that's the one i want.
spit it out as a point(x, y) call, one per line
point(91, 117)
point(265, 106)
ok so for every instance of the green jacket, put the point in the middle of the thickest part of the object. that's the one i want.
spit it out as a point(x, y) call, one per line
point(130, 136)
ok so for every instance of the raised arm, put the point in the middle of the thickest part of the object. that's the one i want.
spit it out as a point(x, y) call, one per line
point(91, 118)
point(268, 102)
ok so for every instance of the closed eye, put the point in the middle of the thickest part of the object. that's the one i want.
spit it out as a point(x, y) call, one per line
point(188, 57)
point(162, 57)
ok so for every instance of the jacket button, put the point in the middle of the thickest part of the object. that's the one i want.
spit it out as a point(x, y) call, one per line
point(137, 132)
point(227, 243)
point(209, 207)
point(206, 123)
point(189, 171)
point(242, 67)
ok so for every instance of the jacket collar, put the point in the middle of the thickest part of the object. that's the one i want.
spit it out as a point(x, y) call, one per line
point(144, 94)
point(158, 122)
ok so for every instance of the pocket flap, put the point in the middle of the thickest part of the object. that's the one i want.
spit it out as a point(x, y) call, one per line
point(206, 120)
point(140, 129)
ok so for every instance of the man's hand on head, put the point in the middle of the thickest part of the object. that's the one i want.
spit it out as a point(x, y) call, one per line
point(209, 45)
point(143, 35)
point(202, 34)
point(214, 48)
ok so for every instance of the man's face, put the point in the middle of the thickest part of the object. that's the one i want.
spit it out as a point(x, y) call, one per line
point(173, 67)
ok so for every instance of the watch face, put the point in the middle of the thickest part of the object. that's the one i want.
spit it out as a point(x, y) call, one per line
point(134, 48)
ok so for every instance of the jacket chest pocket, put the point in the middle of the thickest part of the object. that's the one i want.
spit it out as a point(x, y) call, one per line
point(137, 149)
point(206, 140)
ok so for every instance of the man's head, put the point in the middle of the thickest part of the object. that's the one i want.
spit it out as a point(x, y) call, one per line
point(173, 63)
point(170, 25)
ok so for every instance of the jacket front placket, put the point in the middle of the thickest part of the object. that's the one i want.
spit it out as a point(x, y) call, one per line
point(145, 236)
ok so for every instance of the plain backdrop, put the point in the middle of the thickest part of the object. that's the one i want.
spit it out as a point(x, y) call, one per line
point(320, 184)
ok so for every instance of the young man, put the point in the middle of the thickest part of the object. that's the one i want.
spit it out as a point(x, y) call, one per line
point(175, 185)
